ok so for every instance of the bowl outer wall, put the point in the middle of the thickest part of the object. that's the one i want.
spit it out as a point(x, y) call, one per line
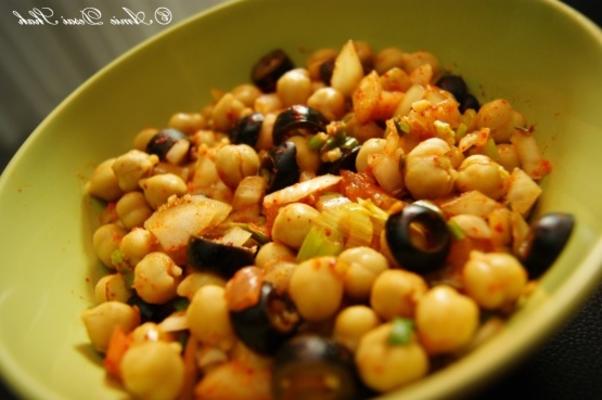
point(542, 56)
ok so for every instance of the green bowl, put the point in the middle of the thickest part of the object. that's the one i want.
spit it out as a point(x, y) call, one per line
point(542, 56)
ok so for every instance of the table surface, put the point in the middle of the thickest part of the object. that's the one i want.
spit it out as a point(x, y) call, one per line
point(569, 366)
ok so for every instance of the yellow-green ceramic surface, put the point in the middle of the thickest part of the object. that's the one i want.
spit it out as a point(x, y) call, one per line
point(543, 57)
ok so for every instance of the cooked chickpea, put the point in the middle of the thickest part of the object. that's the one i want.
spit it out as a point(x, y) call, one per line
point(508, 156)
point(359, 267)
point(292, 224)
point(158, 188)
point(446, 320)
point(103, 182)
point(102, 320)
point(279, 275)
point(106, 240)
point(153, 371)
point(500, 118)
point(387, 171)
point(307, 159)
point(316, 59)
point(396, 292)
point(143, 137)
point(294, 87)
point(395, 79)
point(133, 209)
point(412, 61)
point(112, 288)
point(209, 318)
point(227, 112)
point(135, 245)
point(156, 278)
point(268, 103)
point(246, 94)
point(388, 58)
point(479, 172)
point(493, 280)
point(383, 366)
point(352, 323)
point(271, 253)
point(187, 122)
point(329, 101)
point(368, 149)
point(196, 280)
point(234, 162)
point(133, 166)
point(429, 171)
point(316, 289)
point(149, 332)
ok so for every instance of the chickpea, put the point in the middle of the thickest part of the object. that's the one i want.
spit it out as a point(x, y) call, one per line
point(271, 253)
point(112, 288)
point(103, 182)
point(294, 87)
point(329, 101)
point(307, 159)
point(387, 172)
point(493, 280)
point(236, 161)
point(268, 103)
point(156, 278)
point(316, 59)
point(292, 224)
point(316, 289)
point(352, 323)
point(143, 137)
point(415, 60)
point(102, 320)
point(158, 188)
point(133, 210)
point(479, 172)
point(135, 245)
point(265, 140)
point(368, 149)
point(149, 332)
point(209, 318)
point(396, 292)
point(279, 275)
point(384, 367)
point(359, 267)
point(508, 156)
point(429, 171)
point(227, 112)
point(388, 58)
point(106, 240)
point(187, 122)
point(153, 371)
point(395, 79)
point(446, 320)
point(499, 116)
point(196, 280)
point(133, 166)
point(246, 94)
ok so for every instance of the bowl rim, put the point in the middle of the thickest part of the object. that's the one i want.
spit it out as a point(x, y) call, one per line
point(501, 353)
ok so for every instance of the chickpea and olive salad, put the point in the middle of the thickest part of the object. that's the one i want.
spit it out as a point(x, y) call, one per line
point(332, 231)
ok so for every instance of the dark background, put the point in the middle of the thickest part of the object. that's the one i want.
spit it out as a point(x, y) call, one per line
point(569, 366)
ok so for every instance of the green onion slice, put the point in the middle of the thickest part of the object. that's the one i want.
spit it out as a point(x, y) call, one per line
point(402, 330)
point(317, 244)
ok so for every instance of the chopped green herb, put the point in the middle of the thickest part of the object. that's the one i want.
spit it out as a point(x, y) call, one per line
point(402, 126)
point(461, 131)
point(350, 143)
point(455, 230)
point(335, 141)
point(316, 142)
point(490, 150)
point(401, 331)
point(317, 244)
point(117, 257)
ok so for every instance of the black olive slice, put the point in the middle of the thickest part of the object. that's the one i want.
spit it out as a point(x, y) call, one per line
point(470, 102)
point(297, 117)
point(270, 68)
point(265, 326)
point(346, 162)
point(312, 367)
point(163, 141)
point(455, 85)
point(247, 130)
point(326, 69)
point(155, 312)
point(284, 168)
point(217, 257)
point(420, 258)
point(549, 235)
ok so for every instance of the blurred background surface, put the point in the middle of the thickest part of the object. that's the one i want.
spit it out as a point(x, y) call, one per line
point(41, 65)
